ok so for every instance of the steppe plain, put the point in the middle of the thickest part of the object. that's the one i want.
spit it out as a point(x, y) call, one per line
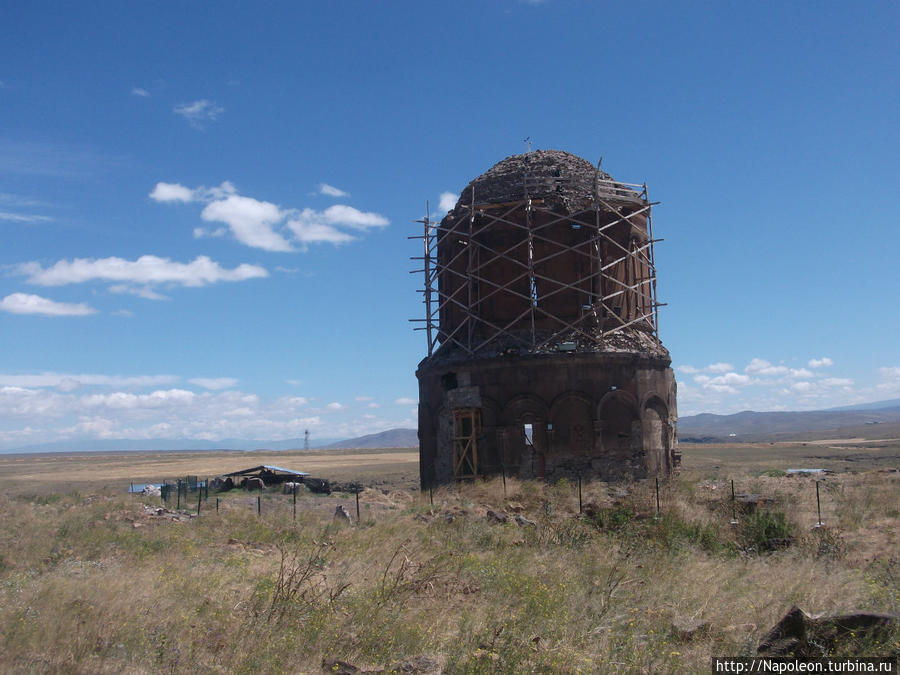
point(93, 579)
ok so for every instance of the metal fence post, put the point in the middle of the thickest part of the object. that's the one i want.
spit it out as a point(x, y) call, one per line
point(657, 497)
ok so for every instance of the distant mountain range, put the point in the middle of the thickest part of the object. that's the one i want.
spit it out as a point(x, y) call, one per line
point(878, 419)
point(392, 438)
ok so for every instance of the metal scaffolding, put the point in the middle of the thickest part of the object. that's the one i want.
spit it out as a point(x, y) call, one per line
point(612, 277)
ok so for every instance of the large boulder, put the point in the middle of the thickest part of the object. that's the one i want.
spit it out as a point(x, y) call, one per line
point(802, 635)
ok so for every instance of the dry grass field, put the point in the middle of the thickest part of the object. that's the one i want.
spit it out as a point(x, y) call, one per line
point(95, 580)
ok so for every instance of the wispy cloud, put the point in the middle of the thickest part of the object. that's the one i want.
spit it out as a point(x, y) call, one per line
point(148, 270)
point(763, 385)
point(23, 217)
point(214, 383)
point(52, 159)
point(197, 113)
point(405, 401)
point(25, 303)
point(331, 191)
point(72, 381)
point(139, 91)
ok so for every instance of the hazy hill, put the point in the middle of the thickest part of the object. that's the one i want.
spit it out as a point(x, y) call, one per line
point(876, 421)
point(392, 438)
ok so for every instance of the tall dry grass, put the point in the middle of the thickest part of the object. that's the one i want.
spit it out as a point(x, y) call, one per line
point(97, 585)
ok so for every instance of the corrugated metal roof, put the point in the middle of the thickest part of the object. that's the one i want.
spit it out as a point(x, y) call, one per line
point(270, 467)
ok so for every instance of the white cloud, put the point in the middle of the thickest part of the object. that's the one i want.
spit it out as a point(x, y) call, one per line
point(334, 406)
point(25, 303)
point(688, 370)
point(202, 232)
point(250, 221)
point(147, 269)
point(363, 398)
point(138, 91)
point(198, 112)
point(140, 291)
point(342, 215)
point(836, 382)
point(824, 362)
point(405, 401)
point(317, 233)
point(800, 373)
point(447, 201)
point(719, 367)
point(214, 383)
point(294, 401)
point(763, 367)
point(331, 191)
point(265, 225)
point(172, 192)
point(156, 399)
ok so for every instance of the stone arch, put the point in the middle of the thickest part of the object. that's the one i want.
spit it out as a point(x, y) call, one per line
point(573, 423)
point(619, 424)
point(655, 429)
point(527, 458)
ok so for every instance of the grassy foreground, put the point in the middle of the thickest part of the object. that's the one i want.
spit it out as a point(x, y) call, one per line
point(100, 583)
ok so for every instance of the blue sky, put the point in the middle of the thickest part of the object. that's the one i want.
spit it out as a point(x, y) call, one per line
point(205, 207)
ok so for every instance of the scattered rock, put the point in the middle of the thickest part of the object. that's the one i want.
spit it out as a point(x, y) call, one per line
point(515, 507)
point(496, 516)
point(338, 667)
point(801, 635)
point(523, 521)
point(419, 665)
point(687, 629)
point(342, 514)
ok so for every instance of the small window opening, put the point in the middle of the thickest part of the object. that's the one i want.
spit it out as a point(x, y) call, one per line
point(529, 433)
